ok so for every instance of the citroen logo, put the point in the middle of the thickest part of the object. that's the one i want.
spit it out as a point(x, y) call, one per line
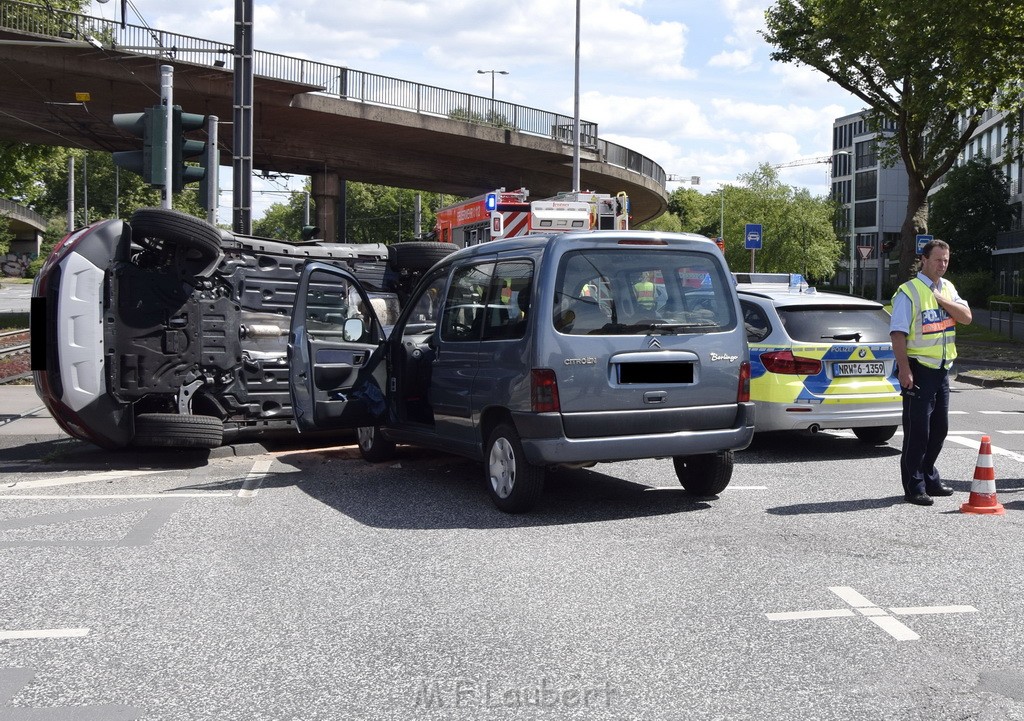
point(653, 343)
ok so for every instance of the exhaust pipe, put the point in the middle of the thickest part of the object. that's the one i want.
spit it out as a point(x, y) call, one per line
point(814, 428)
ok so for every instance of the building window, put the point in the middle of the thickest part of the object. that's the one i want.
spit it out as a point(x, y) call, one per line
point(867, 185)
point(864, 214)
point(867, 157)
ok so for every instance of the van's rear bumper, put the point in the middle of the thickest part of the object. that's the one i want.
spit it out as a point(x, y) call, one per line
point(544, 445)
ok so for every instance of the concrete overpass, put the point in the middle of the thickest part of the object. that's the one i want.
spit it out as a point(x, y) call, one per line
point(333, 124)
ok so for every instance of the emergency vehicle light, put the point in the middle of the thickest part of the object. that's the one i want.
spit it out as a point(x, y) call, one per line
point(491, 201)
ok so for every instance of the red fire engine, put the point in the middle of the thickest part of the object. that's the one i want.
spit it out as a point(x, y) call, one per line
point(504, 214)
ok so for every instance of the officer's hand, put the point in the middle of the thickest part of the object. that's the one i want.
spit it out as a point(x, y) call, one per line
point(906, 377)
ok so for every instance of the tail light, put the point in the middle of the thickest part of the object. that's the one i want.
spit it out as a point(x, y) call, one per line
point(743, 392)
point(784, 362)
point(544, 391)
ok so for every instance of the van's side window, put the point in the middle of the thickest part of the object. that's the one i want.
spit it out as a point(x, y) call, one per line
point(463, 314)
point(508, 300)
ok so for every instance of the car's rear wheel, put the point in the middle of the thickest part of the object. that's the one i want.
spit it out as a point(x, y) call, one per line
point(170, 430)
point(373, 446)
point(191, 243)
point(515, 485)
point(704, 475)
point(875, 435)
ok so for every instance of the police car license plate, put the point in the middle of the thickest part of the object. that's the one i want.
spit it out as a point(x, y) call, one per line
point(858, 369)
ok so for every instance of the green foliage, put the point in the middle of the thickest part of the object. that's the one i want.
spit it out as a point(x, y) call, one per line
point(974, 286)
point(798, 235)
point(379, 214)
point(918, 65)
point(666, 222)
point(6, 235)
point(284, 221)
point(697, 213)
point(489, 118)
point(969, 210)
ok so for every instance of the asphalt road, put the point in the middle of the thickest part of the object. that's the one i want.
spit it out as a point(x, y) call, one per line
point(307, 584)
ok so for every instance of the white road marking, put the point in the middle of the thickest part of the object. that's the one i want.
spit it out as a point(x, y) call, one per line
point(976, 445)
point(1011, 433)
point(86, 478)
point(251, 485)
point(1001, 413)
point(44, 633)
point(872, 612)
point(96, 496)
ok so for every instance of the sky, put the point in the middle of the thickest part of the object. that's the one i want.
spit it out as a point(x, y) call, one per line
point(689, 84)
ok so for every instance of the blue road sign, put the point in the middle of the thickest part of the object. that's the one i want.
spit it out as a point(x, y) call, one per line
point(922, 240)
point(752, 236)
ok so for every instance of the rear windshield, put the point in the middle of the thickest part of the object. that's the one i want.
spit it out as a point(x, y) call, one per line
point(635, 291)
point(812, 324)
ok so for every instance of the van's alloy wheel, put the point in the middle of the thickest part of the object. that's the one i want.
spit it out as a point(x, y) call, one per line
point(705, 475)
point(374, 447)
point(170, 430)
point(514, 484)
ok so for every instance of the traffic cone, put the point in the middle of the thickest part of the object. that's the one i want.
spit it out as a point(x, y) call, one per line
point(983, 490)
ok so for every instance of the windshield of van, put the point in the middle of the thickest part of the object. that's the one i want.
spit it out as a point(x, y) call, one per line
point(638, 291)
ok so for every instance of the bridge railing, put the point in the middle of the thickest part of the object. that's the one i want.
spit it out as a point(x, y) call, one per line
point(347, 83)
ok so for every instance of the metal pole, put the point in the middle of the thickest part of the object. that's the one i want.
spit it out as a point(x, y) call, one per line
point(167, 100)
point(241, 162)
point(576, 111)
point(71, 193)
point(85, 188)
point(212, 170)
point(853, 242)
point(879, 272)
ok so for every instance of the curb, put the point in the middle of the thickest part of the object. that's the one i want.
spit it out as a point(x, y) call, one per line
point(978, 380)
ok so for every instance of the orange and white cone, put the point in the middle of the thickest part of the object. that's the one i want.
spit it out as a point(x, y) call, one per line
point(983, 490)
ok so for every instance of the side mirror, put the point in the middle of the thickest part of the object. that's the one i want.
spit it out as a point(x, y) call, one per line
point(353, 329)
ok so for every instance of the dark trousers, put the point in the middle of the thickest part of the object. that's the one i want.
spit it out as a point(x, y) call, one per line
point(925, 424)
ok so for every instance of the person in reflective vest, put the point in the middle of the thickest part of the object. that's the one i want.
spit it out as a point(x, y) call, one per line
point(925, 311)
point(645, 292)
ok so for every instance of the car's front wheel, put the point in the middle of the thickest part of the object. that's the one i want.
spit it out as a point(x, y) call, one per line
point(705, 475)
point(170, 430)
point(875, 435)
point(373, 446)
point(515, 485)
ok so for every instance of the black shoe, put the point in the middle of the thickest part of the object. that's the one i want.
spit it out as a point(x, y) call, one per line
point(919, 499)
point(940, 490)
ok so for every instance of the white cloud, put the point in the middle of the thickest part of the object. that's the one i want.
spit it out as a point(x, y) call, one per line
point(690, 85)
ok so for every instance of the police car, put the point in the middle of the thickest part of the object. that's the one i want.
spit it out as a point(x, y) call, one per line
point(818, 360)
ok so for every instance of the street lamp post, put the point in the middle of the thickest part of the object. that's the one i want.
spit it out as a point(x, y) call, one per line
point(492, 73)
point(493, 117)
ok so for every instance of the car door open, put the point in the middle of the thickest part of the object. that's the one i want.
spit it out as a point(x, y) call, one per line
point(335, 348)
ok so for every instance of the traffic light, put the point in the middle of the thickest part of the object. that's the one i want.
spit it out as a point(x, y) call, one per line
point(150, 125)
point(185, 148)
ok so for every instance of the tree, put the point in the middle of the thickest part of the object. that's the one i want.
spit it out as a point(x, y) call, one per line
point(284, 221)
point(379, 214)
point(799, 234)
point(969, 210)
point(927, 68)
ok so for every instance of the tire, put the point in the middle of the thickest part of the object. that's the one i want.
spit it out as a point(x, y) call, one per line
point(704, 475)
point(170, 430)
point(195, 242)
point(373, 446)
point(418, 256)
point(875, 435)
point(514, 484)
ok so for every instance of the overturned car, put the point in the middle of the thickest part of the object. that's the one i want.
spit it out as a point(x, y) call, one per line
point(167, 331)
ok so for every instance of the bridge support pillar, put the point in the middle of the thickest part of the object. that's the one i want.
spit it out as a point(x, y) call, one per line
point(328, 190)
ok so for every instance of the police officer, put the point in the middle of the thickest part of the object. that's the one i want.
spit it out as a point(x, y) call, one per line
point(925, 311)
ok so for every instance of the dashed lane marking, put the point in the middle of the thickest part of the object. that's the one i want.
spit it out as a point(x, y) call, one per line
point(109, 496)
point(976, 445)
point(85, 478)
point(255, 477)
point(885, 619)
point(43, 633)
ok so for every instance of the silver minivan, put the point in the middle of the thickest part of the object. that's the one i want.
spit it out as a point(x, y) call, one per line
point(535, 352)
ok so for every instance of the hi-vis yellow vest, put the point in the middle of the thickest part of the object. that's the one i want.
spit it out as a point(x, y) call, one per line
point(932, 337)
point(644, 294)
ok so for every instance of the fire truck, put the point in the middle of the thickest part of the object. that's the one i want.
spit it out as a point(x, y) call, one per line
point(506, 213)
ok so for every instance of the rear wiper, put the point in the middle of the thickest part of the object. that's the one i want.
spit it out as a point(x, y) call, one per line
point(855, 337)
point(656, 328)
